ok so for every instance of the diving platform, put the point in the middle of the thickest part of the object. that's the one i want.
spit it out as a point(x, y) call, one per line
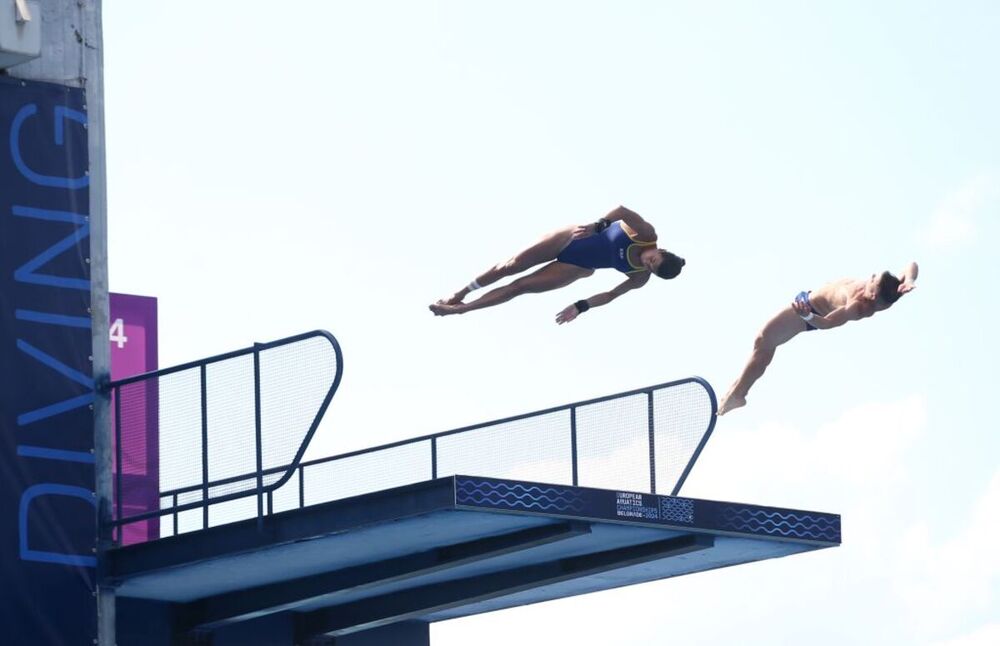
point(373, 546)
point(448, 548)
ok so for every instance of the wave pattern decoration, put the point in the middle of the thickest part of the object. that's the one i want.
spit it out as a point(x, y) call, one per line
point(677, 510)
point(518, 496)
point(774, 523)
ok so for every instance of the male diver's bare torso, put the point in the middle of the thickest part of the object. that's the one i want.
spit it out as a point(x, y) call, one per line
point(839, 293)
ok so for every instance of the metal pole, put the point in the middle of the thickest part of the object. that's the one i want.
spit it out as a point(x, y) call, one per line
point(572, 440)
point(434, 458)
point(652, 446)
point(302, 486)
point(73, 55)
point(257, 429)
point(204, 445)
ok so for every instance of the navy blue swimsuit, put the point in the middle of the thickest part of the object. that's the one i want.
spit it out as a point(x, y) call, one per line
point(609, 248)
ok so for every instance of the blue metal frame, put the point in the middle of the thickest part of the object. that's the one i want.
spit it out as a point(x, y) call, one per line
point(260, 490)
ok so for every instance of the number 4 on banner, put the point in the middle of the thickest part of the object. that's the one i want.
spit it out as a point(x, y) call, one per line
point(118, 333)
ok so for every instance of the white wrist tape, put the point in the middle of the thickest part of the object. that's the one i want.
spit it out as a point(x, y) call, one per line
point(808, 317)
point(474, 285)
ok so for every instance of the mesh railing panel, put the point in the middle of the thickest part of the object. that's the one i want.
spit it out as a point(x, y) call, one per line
point(679, 422)
point(232, 511)
point(533, 448)
point(232, 443)
point(613, 437)
point(294, 380)
point(367, 472)
point(192, 519)
point(613, 443)
point(143, 466)
point(180, 417)
point(167, 522)
point(166, 438)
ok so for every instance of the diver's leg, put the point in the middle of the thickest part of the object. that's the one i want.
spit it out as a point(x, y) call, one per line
point(544, 250)
point(779, 330)
point(552, 276)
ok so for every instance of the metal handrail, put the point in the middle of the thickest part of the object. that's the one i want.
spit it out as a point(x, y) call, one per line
point(436, 436)
point(114, 387)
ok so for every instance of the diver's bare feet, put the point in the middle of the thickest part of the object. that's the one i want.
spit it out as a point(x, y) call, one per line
point(730, 402)
point(444, 308)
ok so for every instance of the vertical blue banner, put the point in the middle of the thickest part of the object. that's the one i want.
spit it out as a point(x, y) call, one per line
point(48, 527)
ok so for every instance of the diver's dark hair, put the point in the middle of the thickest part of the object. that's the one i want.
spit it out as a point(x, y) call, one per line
point(888, 288)
point(670, 266)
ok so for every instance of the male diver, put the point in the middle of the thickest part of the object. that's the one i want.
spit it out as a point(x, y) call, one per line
point(830, 306)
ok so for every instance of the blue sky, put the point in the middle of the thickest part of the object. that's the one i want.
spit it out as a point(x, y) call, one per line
point(274, 169)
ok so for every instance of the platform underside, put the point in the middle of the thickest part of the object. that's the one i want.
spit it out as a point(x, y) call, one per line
point(449, 548)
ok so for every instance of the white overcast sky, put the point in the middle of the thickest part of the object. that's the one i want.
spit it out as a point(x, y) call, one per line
point(280, 167)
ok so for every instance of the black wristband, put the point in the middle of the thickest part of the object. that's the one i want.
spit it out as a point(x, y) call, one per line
point(601, 225)
point(582, 306)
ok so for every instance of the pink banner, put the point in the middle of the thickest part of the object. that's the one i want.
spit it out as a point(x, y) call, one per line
point(133, 352)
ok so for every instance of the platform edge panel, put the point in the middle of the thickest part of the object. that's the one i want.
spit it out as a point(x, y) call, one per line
point(635, 508)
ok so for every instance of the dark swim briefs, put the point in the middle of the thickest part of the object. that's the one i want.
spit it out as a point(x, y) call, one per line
point(803, 297)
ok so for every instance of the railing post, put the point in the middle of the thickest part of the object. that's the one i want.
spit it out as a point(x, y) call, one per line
point(176, 516)
point(116, 538)
point(652, 446)
point(257, 430)
point(572, 440)
point(204, 445)
point(434, 458)
point(302, 486)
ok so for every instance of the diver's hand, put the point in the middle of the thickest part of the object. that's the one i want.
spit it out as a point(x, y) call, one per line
point(567, 315)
